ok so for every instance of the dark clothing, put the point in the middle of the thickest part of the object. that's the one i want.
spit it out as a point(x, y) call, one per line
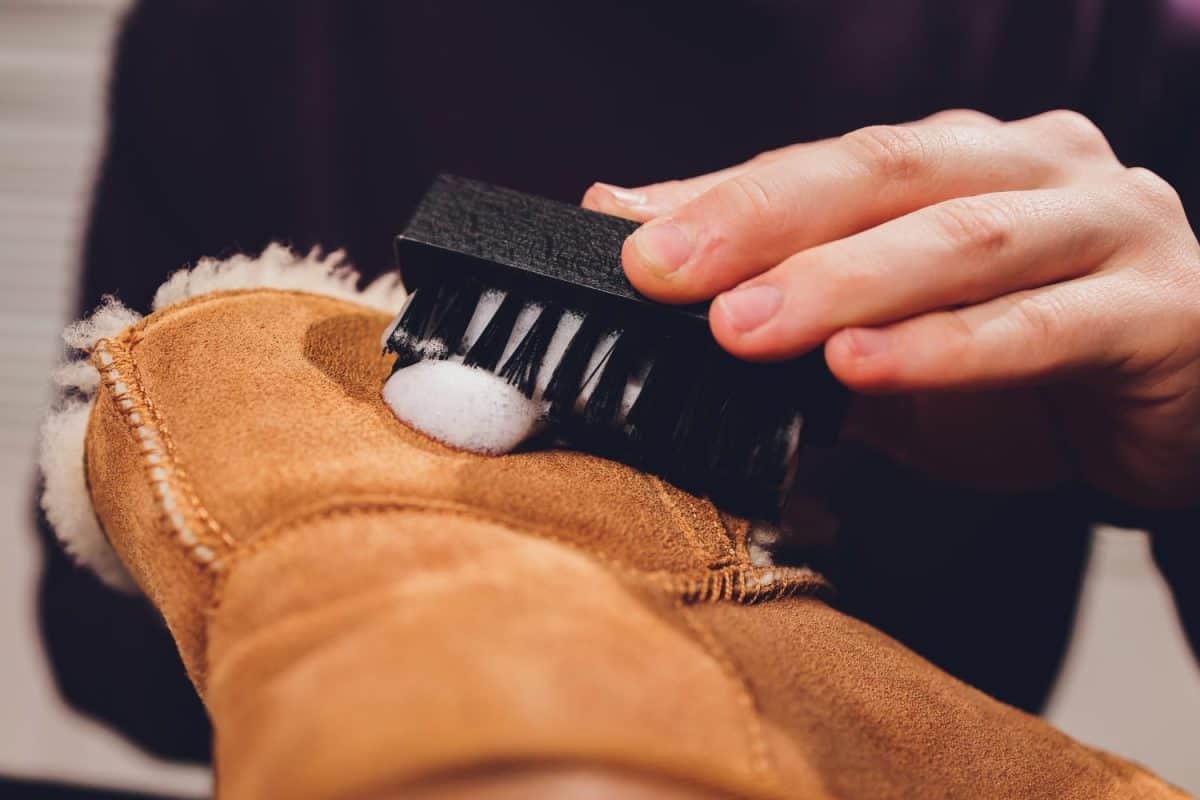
point(319, 123)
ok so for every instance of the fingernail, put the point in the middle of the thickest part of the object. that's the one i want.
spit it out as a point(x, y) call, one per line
point(868, 342)
point(623, 197)
point(751, 306)
point(664, 247)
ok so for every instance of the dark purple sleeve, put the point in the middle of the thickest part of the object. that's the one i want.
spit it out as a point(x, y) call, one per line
point(1173, 150)
point(1168, 135)
point(200, 158)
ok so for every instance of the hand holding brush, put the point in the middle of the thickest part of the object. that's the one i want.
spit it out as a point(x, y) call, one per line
point(1013, 305)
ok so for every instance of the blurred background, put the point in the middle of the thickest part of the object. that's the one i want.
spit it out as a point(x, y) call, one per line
point(1129, 683)
point(54, 63)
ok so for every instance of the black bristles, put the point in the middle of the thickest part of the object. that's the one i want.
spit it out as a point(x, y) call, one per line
point(705, 397)
point(703, 420)
point(405, 340)
point(486, 351)
point(523, 366)
point(735, 441)
point(432, 324)
point(453, 323)
point(620, 364)
point(652, 419)
point(567, 381)
point(758, 454)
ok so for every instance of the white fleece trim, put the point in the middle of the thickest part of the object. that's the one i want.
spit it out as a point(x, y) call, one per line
point(280, 268)
point(65, 498)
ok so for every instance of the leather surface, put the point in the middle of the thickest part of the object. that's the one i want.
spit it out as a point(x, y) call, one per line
point(363, 608)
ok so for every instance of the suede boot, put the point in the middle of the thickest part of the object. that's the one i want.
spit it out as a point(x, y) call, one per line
point(365, 611)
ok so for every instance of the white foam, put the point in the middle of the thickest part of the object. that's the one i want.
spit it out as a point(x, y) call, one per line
point(464, 407)
point(476, 410)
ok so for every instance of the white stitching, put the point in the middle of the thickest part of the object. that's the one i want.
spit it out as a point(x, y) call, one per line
point(160, 473)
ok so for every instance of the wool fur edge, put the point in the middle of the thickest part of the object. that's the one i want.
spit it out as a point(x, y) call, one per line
point(65, 497)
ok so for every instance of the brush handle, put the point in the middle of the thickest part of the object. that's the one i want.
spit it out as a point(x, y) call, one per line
point(511, 239)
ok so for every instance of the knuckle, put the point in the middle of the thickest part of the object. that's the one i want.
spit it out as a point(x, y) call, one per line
point(672, 192)
point(978, 225)
point(962, 116)
point(1152, 192)
point(767, 156)
point(749, 194)
point(1040, 315)
point(891, 152)
point(958, 333)
point(1076, 132)
point(954, 335)
point(844, 274)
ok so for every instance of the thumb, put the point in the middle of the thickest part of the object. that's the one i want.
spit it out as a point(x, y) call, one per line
point(644, 203)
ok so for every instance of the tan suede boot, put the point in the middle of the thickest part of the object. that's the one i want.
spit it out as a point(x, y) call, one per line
point(366, 612)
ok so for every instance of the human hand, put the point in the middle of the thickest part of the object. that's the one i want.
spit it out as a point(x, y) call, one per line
point(1014, 306)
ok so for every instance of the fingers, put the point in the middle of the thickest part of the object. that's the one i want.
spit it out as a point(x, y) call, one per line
point(959, 116)
point(761, 215)
point(644, 203)
point(953, 253)
point(1038, 334)
point(1071, 135)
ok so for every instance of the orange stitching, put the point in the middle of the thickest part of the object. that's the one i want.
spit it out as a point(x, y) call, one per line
point(684, 524)
point(163, 474)
point(760, 755)
point(681, 521)
point(664, 581)
point(739, 536)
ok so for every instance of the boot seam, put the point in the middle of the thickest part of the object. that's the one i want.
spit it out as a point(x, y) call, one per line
point(179, 509)
point(761, 761)
point(742, 583)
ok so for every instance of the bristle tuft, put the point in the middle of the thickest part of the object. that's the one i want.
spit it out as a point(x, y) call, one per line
point(523, 366)
point(569, 376)
point(664, 399)
point(622, 360)
point(486, 351)
point(452, 326)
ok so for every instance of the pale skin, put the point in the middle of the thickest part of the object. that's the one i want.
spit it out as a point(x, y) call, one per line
point(1011, 305)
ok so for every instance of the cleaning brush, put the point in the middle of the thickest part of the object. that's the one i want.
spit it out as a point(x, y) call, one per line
point(532, 291)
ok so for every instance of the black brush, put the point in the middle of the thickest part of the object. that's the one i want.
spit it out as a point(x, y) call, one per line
point(629, 379)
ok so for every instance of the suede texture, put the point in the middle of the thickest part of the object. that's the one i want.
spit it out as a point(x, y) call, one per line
point(365, 611)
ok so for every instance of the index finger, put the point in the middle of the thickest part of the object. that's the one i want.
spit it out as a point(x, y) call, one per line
point(747, 224)
point(643, 203)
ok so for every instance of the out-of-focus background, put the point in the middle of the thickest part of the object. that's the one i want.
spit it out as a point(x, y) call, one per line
point(1129, 684)
point(54, 61)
